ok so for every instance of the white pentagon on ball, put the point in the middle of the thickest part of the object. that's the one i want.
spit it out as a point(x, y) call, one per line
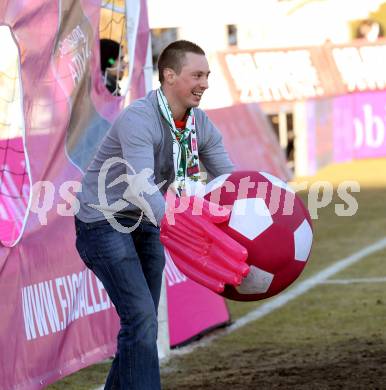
point(303, 241)
point(278, 240)
point(256, 282)
point(250, 217)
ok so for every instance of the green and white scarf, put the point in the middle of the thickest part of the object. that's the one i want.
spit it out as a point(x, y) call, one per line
point(185, 156)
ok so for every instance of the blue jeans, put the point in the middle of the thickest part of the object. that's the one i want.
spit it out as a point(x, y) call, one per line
point(130, 267)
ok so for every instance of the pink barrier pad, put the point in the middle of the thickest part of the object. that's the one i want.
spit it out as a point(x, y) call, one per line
point(359, 126)
point(14, 189)
point(249, 139)
point(192, 308)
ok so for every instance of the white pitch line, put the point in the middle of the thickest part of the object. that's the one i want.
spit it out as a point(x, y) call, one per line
point(354, 281)
point(282, 299)
point(285, 297)
point(307, 284)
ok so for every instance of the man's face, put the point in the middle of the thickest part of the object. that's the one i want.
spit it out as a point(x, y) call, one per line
point(192, 81)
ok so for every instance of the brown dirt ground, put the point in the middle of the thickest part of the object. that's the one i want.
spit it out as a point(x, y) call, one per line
point(356, 364)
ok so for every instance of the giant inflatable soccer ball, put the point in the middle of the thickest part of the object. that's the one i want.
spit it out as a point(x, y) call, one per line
point(272, 223)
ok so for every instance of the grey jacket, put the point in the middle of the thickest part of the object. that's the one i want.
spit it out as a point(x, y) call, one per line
point(142, 138)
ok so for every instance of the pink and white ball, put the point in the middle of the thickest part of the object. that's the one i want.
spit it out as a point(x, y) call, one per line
point(272, 223)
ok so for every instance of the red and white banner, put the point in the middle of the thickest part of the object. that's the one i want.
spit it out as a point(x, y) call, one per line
point(293, 74)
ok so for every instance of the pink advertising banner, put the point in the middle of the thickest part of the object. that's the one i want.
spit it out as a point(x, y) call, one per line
point(55, 315)
point(347, 127)
point(14, 189)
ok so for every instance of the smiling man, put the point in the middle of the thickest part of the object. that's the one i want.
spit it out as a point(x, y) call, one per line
point(165, 134)
point(184, 78)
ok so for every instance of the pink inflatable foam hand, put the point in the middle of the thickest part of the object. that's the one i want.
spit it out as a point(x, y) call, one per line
point(198, 247)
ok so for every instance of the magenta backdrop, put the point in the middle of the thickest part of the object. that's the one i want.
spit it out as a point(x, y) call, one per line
point(359, 126)
point(346, 127)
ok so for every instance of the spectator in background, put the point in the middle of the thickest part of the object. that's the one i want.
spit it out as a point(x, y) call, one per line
point(113, 64)
point(369, 30)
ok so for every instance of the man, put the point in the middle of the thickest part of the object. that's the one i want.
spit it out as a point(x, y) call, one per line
point(162, 133)
point(113, 64)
